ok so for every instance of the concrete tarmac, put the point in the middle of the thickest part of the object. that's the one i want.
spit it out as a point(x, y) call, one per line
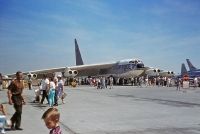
point(121, 110)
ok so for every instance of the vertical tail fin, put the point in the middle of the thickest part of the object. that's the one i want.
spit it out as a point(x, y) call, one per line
point(183, 69)
point(79, 60)
point(191, 67)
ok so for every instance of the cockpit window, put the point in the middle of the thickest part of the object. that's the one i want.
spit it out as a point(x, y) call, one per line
point(140, 65)
point(129, 61)
point(133, 61)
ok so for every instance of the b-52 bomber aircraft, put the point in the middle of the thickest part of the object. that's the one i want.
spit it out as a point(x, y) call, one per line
point(127, 68)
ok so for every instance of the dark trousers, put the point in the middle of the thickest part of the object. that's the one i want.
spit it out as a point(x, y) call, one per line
point(16, 118)
point(44, 95)
point(29, 86)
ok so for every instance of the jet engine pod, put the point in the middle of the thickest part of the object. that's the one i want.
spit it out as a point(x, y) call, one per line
point(156, 70)
point(170, 72)
point(75, 72)
point(31, 76)
point(70, 73)
point(152, 72)
point(167, 73)
point(34, 76)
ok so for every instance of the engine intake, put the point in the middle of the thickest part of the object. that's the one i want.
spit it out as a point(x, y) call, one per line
point(152, 72)
point(70, 73)
point(31, 76)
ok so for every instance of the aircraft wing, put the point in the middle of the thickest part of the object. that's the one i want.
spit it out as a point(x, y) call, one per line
point(38, 73)
point(51, 70)
point(81, 70)
point(93, 69)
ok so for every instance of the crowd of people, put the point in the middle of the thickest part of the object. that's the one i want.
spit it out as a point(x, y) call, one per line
point(51, 89)
point(101, 82)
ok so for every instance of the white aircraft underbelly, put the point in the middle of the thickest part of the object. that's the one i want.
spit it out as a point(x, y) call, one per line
point(130, 74)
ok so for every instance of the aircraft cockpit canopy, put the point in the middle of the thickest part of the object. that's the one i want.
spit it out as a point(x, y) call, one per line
point(135, 61)
point(130, 61)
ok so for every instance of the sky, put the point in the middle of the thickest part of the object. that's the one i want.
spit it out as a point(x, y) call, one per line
point(39, 34)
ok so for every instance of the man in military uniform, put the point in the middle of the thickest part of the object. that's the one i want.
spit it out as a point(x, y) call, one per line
point(15, 97)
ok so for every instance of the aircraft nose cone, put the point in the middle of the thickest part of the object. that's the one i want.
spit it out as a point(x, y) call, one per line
point(140, 65)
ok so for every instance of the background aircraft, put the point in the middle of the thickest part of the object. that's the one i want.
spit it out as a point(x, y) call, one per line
point(191, 67)
point(193, 71)
point(183, 70)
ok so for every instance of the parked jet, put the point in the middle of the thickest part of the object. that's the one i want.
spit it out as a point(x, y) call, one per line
point(124, 68)
point(183, 70)
point(193, 71)
point(191, 67)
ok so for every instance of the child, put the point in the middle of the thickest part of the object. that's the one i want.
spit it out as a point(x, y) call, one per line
point(51, 118)
point(37, 95)
point(2, 119)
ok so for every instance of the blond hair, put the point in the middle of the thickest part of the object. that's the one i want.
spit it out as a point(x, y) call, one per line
point(51, 114)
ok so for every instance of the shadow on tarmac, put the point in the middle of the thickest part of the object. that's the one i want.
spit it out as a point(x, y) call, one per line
point(162, 101)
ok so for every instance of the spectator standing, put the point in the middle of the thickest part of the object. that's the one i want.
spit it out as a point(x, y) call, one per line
point(61, 88)
point(44, 88)
point(15, 90)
